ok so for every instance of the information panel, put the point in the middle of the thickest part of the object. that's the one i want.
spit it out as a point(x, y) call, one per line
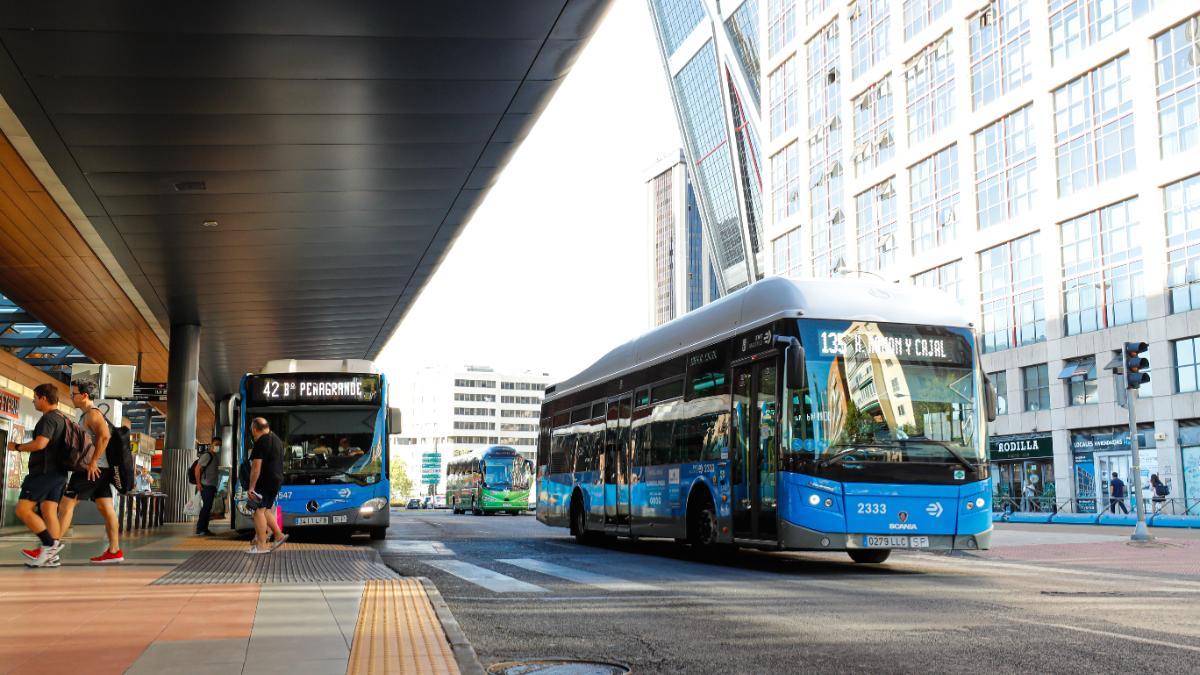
point(313, 389)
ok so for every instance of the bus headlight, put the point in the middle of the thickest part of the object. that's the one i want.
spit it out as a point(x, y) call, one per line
point(979, 502)
point(814, 500)
point(372, 505)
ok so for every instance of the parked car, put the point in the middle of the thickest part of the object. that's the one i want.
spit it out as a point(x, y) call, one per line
point(414, 503)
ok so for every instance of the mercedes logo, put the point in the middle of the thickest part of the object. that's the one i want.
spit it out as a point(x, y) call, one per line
point(312, 506)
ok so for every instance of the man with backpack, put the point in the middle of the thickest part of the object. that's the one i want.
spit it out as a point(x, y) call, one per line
point(96, 481)
point(205, 474)
point(47, 477)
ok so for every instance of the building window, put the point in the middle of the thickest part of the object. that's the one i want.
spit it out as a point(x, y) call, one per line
point(526, 400)
point(743, 34)
point(1005, 159)
point(1077, 24)
point(999, 380)
point(475, 426)
point(787, 255)
point(676, 20)
point(869, 24)
point(781, 24)
point(475, 412)
point(1093, 127)
point(874, 121)
point(1013, 305)
point(480, 384)
point(828, 226)
point(485, 398)
point(784, 102)
point(944, 277)
point(1035, 385)
point(814, 8)
point(876, 221)
point(520, 413)
point(920, 13)
point(1000, 51)
point(523, 386)
point(1102, 269)
point(1182, 211)
point(1187, 364)
point(785, 174)
point(1178, 54)
point(1079, 376)
point(933, 197)
point(930, 79)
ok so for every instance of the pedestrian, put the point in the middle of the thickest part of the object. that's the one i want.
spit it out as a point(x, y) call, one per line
point(43, 487)
point(96, 482)
point(1029, 496)
point(1158, 492)
point(266, 477)
point(1116, 494)
point(207, 468)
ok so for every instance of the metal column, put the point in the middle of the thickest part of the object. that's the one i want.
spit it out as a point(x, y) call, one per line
point(183, 392)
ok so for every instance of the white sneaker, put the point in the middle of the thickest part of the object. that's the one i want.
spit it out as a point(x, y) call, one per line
point(254, 550)
point(45, 558)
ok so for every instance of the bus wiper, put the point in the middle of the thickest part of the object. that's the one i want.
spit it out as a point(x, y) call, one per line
point(947, 447)
point(850, 450)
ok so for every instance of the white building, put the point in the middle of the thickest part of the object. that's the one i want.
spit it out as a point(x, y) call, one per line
point(682, 277)
point(1037, 159)
point(453, 411)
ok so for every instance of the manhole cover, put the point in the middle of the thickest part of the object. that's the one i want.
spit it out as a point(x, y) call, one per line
point(557, 667)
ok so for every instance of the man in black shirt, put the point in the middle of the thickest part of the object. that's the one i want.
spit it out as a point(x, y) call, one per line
point(47, 478)
point(266, 477)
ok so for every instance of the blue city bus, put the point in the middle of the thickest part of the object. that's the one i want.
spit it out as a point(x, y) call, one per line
point(333, 419)
point(835, 415)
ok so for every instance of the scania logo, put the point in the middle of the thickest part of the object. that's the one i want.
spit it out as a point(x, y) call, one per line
point(902, 526)
point(312, 506)
point(344, 493)
point(903, 516)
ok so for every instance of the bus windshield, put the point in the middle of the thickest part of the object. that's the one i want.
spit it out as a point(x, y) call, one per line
point(879, 392)
point(327, 445)
point(511, 472)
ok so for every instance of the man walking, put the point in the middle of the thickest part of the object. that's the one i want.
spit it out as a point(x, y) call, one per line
point(207, 468)
point(96, 482)
point(266, 477)
point(1116, 494)
point(44, 485)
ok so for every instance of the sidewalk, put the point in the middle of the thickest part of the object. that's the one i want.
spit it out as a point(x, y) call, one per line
point(1172, 552)
point(186, 604)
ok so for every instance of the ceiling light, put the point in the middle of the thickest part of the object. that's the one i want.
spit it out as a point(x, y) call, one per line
point(210, 223)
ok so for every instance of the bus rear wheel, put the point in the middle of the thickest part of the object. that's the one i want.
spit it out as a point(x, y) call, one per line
point(579, 524)
point(869, 555)
point(475, 510)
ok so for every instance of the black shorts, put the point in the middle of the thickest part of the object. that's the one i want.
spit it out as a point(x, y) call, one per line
point(79, 487)
point(43, 487)
point(268, 495)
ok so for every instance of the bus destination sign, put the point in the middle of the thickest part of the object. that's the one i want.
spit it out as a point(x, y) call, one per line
point(313, 388)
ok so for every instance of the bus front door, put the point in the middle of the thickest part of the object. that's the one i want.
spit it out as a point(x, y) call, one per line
point(617, 460)
point(754, 431)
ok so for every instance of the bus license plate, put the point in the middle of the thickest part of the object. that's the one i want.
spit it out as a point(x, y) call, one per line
point(873, 541)
point(313, 520)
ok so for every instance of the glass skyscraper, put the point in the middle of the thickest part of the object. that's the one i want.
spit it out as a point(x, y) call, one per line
point(710, 51)
point(681, 262)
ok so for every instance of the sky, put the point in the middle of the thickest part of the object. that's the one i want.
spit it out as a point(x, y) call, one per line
point(553, 269)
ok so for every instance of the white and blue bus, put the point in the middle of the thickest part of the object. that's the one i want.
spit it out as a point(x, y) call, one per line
point(837, 415)
point(333, 419)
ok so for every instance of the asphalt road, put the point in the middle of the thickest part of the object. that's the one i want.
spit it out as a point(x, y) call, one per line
point(521, 590)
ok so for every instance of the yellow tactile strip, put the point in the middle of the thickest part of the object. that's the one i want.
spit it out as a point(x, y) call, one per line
point(225, 544)
point(399, 632)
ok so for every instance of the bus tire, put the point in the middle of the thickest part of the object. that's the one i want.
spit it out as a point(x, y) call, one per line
point(378, 533)
point(475, 510)
point(869, 555)
point(579, 522)
point(702, 525)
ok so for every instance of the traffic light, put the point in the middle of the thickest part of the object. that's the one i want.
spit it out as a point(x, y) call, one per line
point(1135, 365)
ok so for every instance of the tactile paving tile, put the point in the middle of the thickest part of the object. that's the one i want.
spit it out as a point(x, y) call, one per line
point(281, 567)
point(398, 632)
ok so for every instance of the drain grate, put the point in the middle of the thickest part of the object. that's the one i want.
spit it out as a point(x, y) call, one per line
point(281, 567)
point(557, 667)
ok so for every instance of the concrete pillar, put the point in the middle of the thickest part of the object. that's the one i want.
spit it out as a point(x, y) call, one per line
point(183, 393)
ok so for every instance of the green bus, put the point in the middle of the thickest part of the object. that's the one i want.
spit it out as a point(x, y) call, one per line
point(490, 480)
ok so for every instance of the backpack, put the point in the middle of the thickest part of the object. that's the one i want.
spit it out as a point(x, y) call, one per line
point(1162, 490)
point(119, 453)
point(78, 449)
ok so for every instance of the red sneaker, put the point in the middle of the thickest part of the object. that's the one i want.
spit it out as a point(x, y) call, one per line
point(109, 557)
point(31, 553)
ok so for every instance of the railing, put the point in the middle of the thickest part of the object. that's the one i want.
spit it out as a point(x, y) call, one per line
point(141, 510)
point(1169, 506)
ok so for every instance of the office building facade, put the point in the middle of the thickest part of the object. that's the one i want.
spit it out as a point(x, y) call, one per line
point(682, 277)
point(1035, 159)
point(710, 51)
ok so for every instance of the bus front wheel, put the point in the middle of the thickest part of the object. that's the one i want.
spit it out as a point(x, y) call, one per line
point(702, 523)
point(869, 555)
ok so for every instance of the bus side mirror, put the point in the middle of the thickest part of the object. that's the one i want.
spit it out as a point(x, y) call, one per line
point(393, 420)
point(993, 403)
point(794, 362)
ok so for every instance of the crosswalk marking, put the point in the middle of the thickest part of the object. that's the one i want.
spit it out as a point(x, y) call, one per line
point(577, 575)
point(414, 547)
point(481, 576)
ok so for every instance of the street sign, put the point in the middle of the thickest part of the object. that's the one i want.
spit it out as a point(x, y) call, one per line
point(150, 391)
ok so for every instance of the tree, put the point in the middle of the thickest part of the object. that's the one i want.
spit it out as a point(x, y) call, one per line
point(401, 485)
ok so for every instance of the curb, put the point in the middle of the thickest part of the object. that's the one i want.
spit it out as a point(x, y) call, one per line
point(464, 653)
